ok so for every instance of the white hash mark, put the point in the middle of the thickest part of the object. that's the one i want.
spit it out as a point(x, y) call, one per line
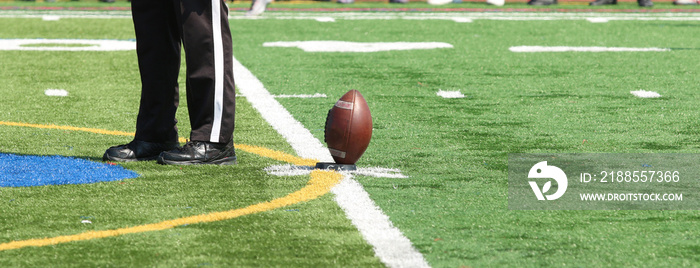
point(645, 94)
point(450, 94)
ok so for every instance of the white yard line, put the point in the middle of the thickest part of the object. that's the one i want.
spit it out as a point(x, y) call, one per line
point(459, 17)
point(361, 47)
point(300, 96)
point(390, 245)
point(471, 16)
point(300, 138)
point(70, 44)
point(531, 49)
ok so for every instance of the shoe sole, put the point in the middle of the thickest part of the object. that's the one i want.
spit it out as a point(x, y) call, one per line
point(106, 157)
point(221, 162)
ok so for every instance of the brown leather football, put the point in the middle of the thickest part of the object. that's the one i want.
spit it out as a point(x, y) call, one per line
point(348, 128)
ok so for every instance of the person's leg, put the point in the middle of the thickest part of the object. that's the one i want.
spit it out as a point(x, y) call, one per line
point(541, 2)
point(645, 3)
point(211, 95)
point(258, 7)
point(211, 98)
point(603, 2)
point(158, 50)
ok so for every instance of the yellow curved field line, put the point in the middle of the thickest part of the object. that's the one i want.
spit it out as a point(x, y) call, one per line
point(261, 151)
point(320, 183)
point(84, 129)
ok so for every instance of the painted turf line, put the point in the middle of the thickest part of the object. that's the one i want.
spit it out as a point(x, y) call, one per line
point(598, 20)
point(390, 245)
point(300, 96)
point(320, 184)
point(70, 44)
point(450, 94)
point(462, 17)
point(277, 116)
point(345, 46)
point(56, 92)
point(50, 18)
point(645, 94)
point(585, 49)
point(296, 170)
point(459, 17)
point(325, 19)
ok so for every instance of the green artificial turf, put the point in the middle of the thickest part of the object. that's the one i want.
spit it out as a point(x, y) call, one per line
point(103, 93)
point(453, 206)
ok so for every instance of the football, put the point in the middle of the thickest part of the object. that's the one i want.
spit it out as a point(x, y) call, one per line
point(348, 128)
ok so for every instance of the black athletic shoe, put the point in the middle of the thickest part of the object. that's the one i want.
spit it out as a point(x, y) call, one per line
point(138, 151)
point(542, 2)
point(200, 152)
point(603, 2)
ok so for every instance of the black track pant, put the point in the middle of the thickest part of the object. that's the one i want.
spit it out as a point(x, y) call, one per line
point(201, 26)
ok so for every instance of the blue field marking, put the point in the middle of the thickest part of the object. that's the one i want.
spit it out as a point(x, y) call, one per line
point(33, 170)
